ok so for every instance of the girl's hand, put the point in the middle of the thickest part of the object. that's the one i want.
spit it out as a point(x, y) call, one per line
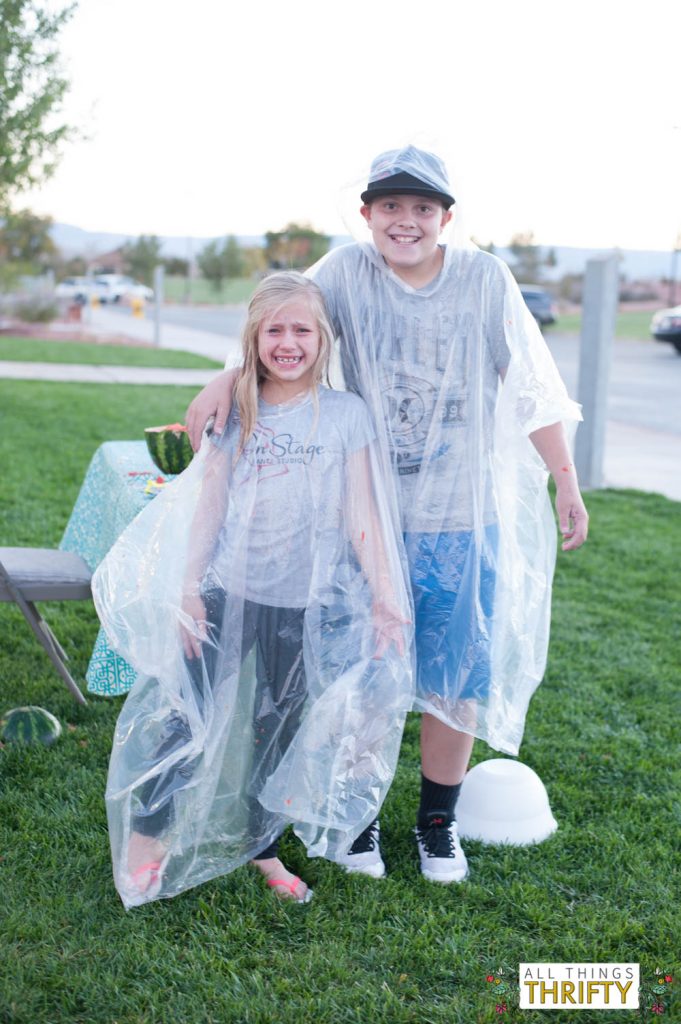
point(192, 638)
point(389, 623)
point(573, 518)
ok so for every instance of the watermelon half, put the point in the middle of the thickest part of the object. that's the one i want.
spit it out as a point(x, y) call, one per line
point(30, 725)
point(169, 447)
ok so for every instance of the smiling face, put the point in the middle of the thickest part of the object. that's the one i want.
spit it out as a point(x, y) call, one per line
point(406, 230)
point(288, 348)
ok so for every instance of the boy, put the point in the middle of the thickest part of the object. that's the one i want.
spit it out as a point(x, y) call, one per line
point(427, 335)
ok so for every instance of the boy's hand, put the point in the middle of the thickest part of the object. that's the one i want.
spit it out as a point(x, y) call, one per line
point(192, 638)
point(214, 400)
point(389, 622)
point(573, 518)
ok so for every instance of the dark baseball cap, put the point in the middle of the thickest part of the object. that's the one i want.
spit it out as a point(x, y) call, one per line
point(408, 171)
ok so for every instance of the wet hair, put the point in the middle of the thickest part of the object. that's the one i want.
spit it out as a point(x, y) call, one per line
point(272, 293)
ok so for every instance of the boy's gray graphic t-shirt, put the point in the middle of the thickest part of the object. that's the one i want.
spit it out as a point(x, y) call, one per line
point(438, 382)
point(299, 458)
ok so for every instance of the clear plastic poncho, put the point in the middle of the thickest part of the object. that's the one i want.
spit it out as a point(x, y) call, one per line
point(457, 376)
point(293, 712)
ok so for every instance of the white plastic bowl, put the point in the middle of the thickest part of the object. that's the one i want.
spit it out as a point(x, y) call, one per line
point(504, 801)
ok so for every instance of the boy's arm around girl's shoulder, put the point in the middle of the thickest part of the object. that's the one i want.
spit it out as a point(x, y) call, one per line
point(214, 400)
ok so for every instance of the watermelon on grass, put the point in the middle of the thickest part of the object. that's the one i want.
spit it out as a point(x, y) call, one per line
point(30, 725)
point(169, 447)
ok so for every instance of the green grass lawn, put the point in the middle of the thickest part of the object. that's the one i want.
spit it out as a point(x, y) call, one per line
point(633, 323)
point(236, 290)
point(33, 350)
point(602, 732)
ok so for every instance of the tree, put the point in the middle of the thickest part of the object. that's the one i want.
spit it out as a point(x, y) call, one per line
point(220, 260)
point(142, 256)
point(254, 260)
point(528, 258)
point(295, 247)
point(571, 287)
point(25, 239)
point(26, 247)
point(175, 266)
point(234, 264)
point(32, 87)
point(212, 265)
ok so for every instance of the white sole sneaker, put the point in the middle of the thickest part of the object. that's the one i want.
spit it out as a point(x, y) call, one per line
point(374, 869)
point(369, 862)
point(442, 859)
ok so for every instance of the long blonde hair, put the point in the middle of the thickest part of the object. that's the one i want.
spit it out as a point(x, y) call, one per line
point(272, 293)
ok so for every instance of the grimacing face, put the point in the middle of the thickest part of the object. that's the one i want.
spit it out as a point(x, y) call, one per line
point(288, 344)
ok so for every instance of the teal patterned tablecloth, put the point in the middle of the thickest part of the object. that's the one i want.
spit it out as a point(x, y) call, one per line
point(120, 481)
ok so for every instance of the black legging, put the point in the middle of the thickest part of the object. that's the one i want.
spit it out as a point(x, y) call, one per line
point(279, 698)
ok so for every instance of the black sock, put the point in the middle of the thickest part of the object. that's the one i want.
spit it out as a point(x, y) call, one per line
point(270, 851)
point(437, 799)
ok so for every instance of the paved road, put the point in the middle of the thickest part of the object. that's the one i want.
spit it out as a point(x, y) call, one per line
point(227, 320)
point(645, 381)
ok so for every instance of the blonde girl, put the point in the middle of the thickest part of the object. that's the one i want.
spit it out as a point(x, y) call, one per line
point(291, 591)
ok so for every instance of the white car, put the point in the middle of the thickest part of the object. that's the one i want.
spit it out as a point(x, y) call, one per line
point(115, 287)
point(77, 289)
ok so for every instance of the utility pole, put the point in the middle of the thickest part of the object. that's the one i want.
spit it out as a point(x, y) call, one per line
point(599, 309)
point(158, 302)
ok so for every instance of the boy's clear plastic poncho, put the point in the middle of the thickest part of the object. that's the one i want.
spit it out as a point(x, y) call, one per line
point(293, 712)
point(457, 376)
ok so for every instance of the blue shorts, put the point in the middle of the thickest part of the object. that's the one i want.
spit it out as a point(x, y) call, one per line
point(453, 582)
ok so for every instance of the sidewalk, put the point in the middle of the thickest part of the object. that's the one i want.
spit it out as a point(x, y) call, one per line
point(635, 457)
point(106, 323)
point(82, 373)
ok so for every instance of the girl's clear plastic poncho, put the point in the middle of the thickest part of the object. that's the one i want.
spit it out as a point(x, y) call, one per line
point(293, 710)
point(457, 376)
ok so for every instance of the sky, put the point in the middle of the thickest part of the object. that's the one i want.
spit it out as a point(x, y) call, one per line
point(211, 117)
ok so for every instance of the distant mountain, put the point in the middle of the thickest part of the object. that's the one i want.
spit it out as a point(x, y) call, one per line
point(635, 264)
point(74, 241)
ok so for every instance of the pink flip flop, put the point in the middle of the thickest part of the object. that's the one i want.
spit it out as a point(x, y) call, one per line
point(144, 883)
point(291, 886)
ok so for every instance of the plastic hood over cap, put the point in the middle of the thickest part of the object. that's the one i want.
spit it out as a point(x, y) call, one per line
point(408, 170)
point(293, 711)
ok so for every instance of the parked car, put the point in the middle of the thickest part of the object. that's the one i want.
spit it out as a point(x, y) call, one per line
point(540, 303)
point(114, 287)
point(104, 287)
point(77, 289)
point(666, 326)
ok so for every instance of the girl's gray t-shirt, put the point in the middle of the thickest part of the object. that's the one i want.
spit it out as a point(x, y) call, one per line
point(290, 480)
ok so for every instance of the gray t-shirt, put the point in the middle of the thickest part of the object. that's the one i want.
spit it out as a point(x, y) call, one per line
point(290, 483)
point(436, 361)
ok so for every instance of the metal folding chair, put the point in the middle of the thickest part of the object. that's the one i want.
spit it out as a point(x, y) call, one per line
point(44, 574)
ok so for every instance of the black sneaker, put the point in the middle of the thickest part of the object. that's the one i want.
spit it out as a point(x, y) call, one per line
point(440, 853)
point(364, 856)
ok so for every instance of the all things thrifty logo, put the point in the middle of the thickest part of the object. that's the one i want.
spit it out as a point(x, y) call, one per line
point(577, 986)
